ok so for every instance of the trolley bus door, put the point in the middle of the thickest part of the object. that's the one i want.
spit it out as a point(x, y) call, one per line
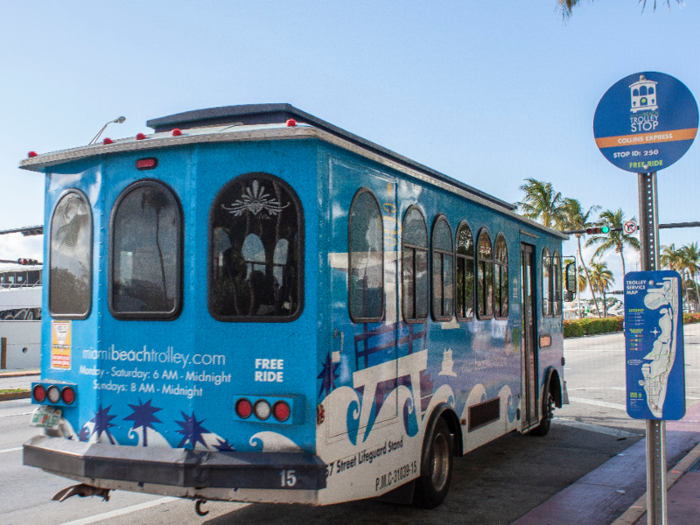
point(529, 325)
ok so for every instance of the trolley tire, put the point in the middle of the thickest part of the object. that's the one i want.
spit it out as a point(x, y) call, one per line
point(432, 487)
point(546, 422)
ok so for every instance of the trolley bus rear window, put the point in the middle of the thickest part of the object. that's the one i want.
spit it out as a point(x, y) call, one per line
point(70, 274)
point(256, 245)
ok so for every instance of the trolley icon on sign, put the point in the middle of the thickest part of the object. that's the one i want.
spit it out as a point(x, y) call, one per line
point(643, 95)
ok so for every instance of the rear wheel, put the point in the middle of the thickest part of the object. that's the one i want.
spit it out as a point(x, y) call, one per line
point(546, 422)
point(432, 487)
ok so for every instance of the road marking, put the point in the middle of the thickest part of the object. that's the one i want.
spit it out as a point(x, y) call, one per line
point(584, 400)
point(11, 450)
point(120, 512)
point(20, 414)
point(595, 428)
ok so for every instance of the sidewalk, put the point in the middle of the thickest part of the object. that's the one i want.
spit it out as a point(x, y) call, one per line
point(603, 495)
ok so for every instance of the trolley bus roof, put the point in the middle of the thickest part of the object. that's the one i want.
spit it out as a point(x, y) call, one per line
point(256, 122)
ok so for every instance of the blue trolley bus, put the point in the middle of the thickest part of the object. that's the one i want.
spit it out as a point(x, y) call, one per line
point(363, 318)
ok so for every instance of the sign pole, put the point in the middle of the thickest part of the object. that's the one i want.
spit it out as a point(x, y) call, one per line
point(657, 508)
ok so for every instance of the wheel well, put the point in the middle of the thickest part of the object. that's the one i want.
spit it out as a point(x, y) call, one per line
point(554, 385)
point(455, 429)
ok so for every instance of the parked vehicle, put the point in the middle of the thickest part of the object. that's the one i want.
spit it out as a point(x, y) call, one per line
point(251, 304)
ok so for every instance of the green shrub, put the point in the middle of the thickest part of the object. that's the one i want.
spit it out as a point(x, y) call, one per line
point(691, 318)
point(581, 327)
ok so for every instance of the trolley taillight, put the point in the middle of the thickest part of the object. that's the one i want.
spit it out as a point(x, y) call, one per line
point(39, 393)
point(54, 394)
point(286, 410)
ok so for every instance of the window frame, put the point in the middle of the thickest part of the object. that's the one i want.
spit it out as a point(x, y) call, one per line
point(499, 266)
point(301, 250)
point(354, 319)
point(546, 300)
point(179, 288)
point(414, 248)
point(433, 251)
point(466, 258)
point(478, 259)
point(85, 315)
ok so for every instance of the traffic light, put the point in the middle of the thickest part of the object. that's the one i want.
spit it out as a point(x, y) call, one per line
point(597, 229)
point(27, 262)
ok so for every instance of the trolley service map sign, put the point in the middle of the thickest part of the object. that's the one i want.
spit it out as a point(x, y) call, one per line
point(645, 122)
point(654, 345)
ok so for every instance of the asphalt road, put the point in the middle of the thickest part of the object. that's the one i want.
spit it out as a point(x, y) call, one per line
point(493, 485)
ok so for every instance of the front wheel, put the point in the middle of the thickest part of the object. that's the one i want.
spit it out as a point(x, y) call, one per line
point(546, 422)
point(432, 487)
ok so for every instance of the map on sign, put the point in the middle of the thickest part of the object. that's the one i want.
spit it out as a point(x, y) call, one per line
point(645, 122)
point(654, 345)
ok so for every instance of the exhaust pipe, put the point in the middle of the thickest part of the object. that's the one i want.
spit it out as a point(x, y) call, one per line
point(81, 490)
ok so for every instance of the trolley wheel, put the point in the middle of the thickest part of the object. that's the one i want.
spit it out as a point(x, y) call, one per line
point(546, 423)
point(432, 487)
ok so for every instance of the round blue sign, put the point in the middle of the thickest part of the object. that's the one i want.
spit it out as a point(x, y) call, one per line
point(645, 122)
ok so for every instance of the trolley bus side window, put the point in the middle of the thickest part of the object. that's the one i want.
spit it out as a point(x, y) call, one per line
point(465, 272)
point(146, 253)
point(546, 283)
point(500, 277)
point(556, 288)
point(484, 275)
point(256, 251)
point(415, 267)
point(366, 259)
point(70, 254)
point(443, 270)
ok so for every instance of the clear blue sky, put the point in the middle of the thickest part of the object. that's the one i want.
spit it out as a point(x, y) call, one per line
point(490, 93)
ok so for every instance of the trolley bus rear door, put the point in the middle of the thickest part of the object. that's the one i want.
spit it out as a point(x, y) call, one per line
point(529, 324)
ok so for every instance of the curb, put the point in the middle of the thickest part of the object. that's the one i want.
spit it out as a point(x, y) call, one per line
point(23, 373)
point(639, 508)
point(15, 395)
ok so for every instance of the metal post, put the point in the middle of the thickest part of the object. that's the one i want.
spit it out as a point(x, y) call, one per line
point(578, 292)
point(3, 353)
point(657, 509)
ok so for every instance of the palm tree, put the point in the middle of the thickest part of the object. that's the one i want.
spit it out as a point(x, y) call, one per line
point(690, 260)
point(565, 6)
point(541, 203)
point(601, 280)
point(574, 218)
point(615, 239)
point(671, 258)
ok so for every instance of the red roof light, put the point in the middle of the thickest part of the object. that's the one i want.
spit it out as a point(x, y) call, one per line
point(291, 123)
point(140, 136)
point(32, 154)
point(107, 140)
point(147, 163)
point(177, 132)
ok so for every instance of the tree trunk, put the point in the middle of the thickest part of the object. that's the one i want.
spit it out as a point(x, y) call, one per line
point(585, 269)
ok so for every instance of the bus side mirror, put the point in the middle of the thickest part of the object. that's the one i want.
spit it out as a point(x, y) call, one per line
point(570, 282)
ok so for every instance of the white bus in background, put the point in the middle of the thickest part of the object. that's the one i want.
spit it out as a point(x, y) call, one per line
point(20, 315)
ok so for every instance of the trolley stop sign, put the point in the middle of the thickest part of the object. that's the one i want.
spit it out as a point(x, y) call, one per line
point(654, 345)
point(645, 122)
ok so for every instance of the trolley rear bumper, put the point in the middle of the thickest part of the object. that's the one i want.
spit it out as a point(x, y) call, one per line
point(176, 467)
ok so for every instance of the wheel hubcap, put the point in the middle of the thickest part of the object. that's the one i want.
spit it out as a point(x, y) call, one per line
point(440, 465)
